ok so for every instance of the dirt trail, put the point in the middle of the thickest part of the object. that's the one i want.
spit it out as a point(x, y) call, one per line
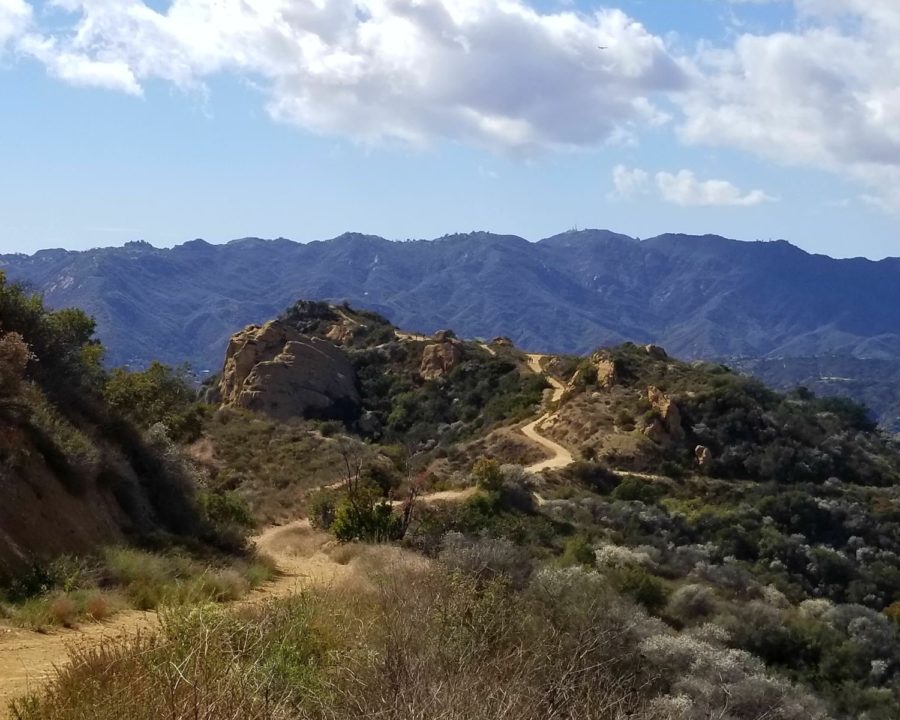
point(28, 658)
point(410, 336)
point(560, 457)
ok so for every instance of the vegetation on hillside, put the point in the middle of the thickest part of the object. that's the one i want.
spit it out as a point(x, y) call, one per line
point(92, 454)
point(762, 582)
point(412, 642)
point(753, 433)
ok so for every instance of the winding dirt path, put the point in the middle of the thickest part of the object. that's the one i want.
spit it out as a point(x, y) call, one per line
point(29, 658)
point(560, 456)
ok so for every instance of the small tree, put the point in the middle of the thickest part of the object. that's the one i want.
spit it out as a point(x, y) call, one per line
point(158, 394)
point(487, 475)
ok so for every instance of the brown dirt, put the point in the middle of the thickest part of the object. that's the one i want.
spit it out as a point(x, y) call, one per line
point(560, 457)
point(304, 557)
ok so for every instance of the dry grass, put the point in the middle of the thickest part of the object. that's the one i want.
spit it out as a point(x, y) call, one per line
point(411, 642)
point(273, 466)
point(125, 577)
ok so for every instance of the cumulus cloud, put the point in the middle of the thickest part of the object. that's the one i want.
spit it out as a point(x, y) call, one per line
point(15, 16)
point(824, 96)
point(683, 188)
point(497, 73)
point(630, 182)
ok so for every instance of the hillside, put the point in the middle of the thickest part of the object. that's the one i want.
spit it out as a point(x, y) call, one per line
point(75, 475)
point(100, 510)
point(574, 536)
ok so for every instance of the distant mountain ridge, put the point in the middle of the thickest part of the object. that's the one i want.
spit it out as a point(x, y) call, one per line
point(699, 296)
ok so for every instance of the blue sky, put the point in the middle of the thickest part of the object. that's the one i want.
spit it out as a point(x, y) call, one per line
point(305, 118)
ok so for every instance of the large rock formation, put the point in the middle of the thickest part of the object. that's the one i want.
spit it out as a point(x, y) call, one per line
point(277, 370)
point(441, 357)
point(669, 415)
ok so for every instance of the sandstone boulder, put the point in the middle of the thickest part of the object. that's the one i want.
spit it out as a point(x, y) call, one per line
point(440, 358)
point(607, 373)
point(668, 412)
point(276, 370)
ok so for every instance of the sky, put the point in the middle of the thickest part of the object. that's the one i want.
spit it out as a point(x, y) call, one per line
point(168, 120)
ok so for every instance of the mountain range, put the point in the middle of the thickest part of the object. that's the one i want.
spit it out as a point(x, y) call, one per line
point(698, 296)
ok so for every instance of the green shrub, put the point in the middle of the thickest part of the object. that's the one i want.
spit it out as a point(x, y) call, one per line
point(159, 394)
point(634, 489)
point(322, 509)
point(594, 476)
point(487, 475)
point(640, 585)
point(366, 521)
point(578, 550)
point(226, 508)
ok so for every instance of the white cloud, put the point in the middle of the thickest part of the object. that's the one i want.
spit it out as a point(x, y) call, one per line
point(825, 96)
point(630, 182)
point(491, 72)
point(15, 16)
point(79, 69)
point(683, 188)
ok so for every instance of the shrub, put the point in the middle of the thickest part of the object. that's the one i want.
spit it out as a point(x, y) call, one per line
point(625, 420)
point(226, 508)
point(365, 520)
point(63, 610)
point(692, 602)
point(98, 607)
point(159, 394)
point(594, 476)
point(633, 489)
point(640, 585)
point(14, 357)
point(322, 509)
point(672, 469)
point(487, 475)
point(486, 558)
point(578, 551)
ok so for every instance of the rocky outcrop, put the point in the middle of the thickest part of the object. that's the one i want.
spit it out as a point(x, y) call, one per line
point(444, 335)
point(607, 373)
point(656, 352)
point(656, 431)
point(669, 415)
point(341, 333)
point(276, 370)
point(440, 358)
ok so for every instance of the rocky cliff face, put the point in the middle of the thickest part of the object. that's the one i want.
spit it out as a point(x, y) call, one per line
point(441, 357)
point(276, 370)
